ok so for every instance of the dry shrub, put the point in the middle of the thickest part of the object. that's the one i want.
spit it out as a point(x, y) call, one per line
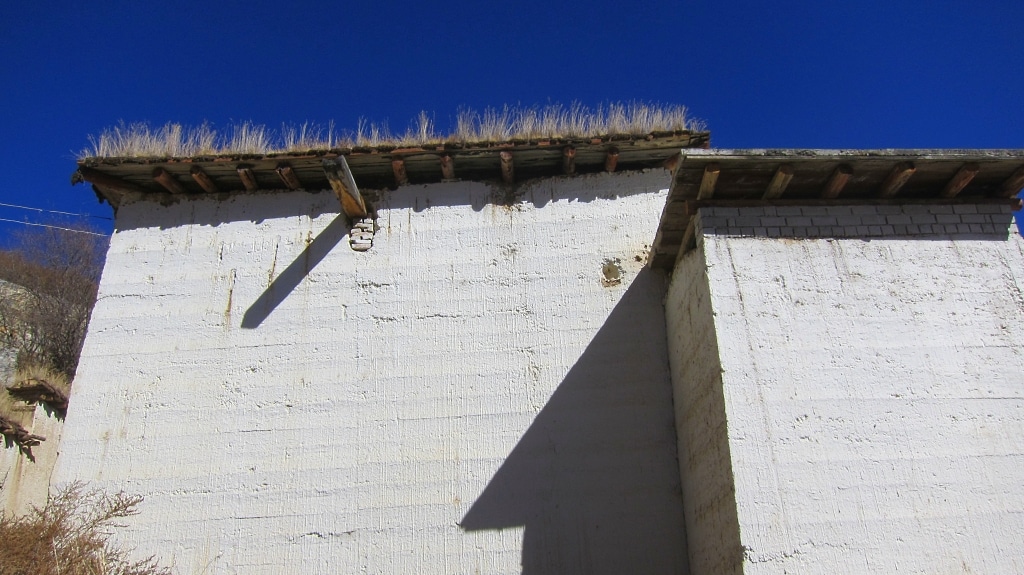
point(71, 536)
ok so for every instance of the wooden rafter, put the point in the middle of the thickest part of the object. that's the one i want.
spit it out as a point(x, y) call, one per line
point(708, 181)
point(569, 160)
point(611, 159)
point(248, 177)
point(288, 176)
point(447, 167)
point(508, 174)
point(1012, 185)
point(780, 180)
point(344, 186)
point(398, 168)
point(960, 180)
point(204, 180)
point(837, 181)
point(97, 177)
point(165, 179)
point(896, 179)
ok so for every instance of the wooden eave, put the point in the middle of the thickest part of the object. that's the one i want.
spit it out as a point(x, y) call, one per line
point(382, 167)
point(742, 178)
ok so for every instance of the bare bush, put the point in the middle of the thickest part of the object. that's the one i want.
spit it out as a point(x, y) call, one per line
point(71, 536)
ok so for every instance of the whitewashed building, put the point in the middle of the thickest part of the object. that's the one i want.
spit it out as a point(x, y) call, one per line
point(561, 357)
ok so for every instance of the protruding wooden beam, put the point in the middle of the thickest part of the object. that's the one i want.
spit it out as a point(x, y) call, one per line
point(708, 181)
point(508, 173)
point(569, 160)
point(837, 181)
point(248, 177)
point(960, 180)
point(288, 176)
point(204, 180)
point(611, 159)
point(98, 178)
point(344, 186)
point(672, 163)
point(447, 167)
point(783, 175)
point(165, 179)
point(1012, 185)
point(896, 179)
point(398, 167)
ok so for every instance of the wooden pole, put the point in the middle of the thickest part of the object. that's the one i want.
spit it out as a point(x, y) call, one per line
point(960, 180)
point(708, 181)
point(837, 181)
point(204, 180)
point(288, 176)
point(780, 180)
point(248, 177)
point(897, 178)
point(507, 168)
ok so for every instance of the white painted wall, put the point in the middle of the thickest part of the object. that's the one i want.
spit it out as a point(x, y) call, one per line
point(466, 397)
point(873, 386)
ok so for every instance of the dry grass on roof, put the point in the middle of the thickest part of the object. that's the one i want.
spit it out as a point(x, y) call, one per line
point(505, 124)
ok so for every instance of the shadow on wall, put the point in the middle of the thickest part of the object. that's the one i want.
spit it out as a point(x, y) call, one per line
point(594, 480)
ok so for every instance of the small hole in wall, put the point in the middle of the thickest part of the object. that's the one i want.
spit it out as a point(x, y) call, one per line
point(611, 272)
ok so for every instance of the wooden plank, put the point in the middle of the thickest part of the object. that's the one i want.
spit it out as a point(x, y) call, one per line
point(288, 176)
point(960, 180)
point(508, 174)
point(344, 185)
point(611, 159)
point(447, 167)
point(1013, 185)
point(165, 179)
point(569, 160)
point(708, 180)
point(204, 180)
point(247, 176)
point(837, 181)
point(398, 169)
point(783, 175)
point(896, 179)
point(689, 239)
point(97, 177)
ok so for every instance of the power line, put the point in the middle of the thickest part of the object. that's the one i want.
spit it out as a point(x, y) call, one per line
point(54, 212)
point(53, 227)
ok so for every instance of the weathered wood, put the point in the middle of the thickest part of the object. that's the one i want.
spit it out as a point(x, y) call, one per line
point(97, 177)
point(165, 179)
point(672, 163)
point(398, 169)
point(708, 181)
point(780, 180)
point(1012, 185)
point(960, 180)
point(837, 181)
point(611, 159)
point(204, 180)
point(288, 176)
point(569, 160)
point(248, 177)
point(896, 179)
point(344, 185)
point(447, 167)
point(508, 174)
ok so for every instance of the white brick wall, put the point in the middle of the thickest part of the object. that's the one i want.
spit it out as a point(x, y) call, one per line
point(465, 397)
point(874, 390)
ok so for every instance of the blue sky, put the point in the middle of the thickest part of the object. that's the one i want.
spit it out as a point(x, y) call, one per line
point(867, 74)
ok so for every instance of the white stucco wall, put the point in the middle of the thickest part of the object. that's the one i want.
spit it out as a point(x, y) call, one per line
point(465, 397)
point(873, 383)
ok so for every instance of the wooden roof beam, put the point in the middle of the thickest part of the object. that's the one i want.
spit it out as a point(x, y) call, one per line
point(569, 160)
point(447, 167)
point(165, 179)
point(248, 177)
point(344, 186)
point(611, 159)
point(896, 179)
point(1012, 185)
point(398, 168)
point(783, 175)
point(837, 181)
point(99, 178)
point(508, 174)
point(708, 181)
point(204, 180)
point(288, 176)
point(960, 180)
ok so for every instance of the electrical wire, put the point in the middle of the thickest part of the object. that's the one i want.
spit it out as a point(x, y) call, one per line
point(54, 211)
point(53, 227)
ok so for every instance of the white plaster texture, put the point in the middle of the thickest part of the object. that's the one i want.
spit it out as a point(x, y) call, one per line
point(466, 397)
point(874, 399)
